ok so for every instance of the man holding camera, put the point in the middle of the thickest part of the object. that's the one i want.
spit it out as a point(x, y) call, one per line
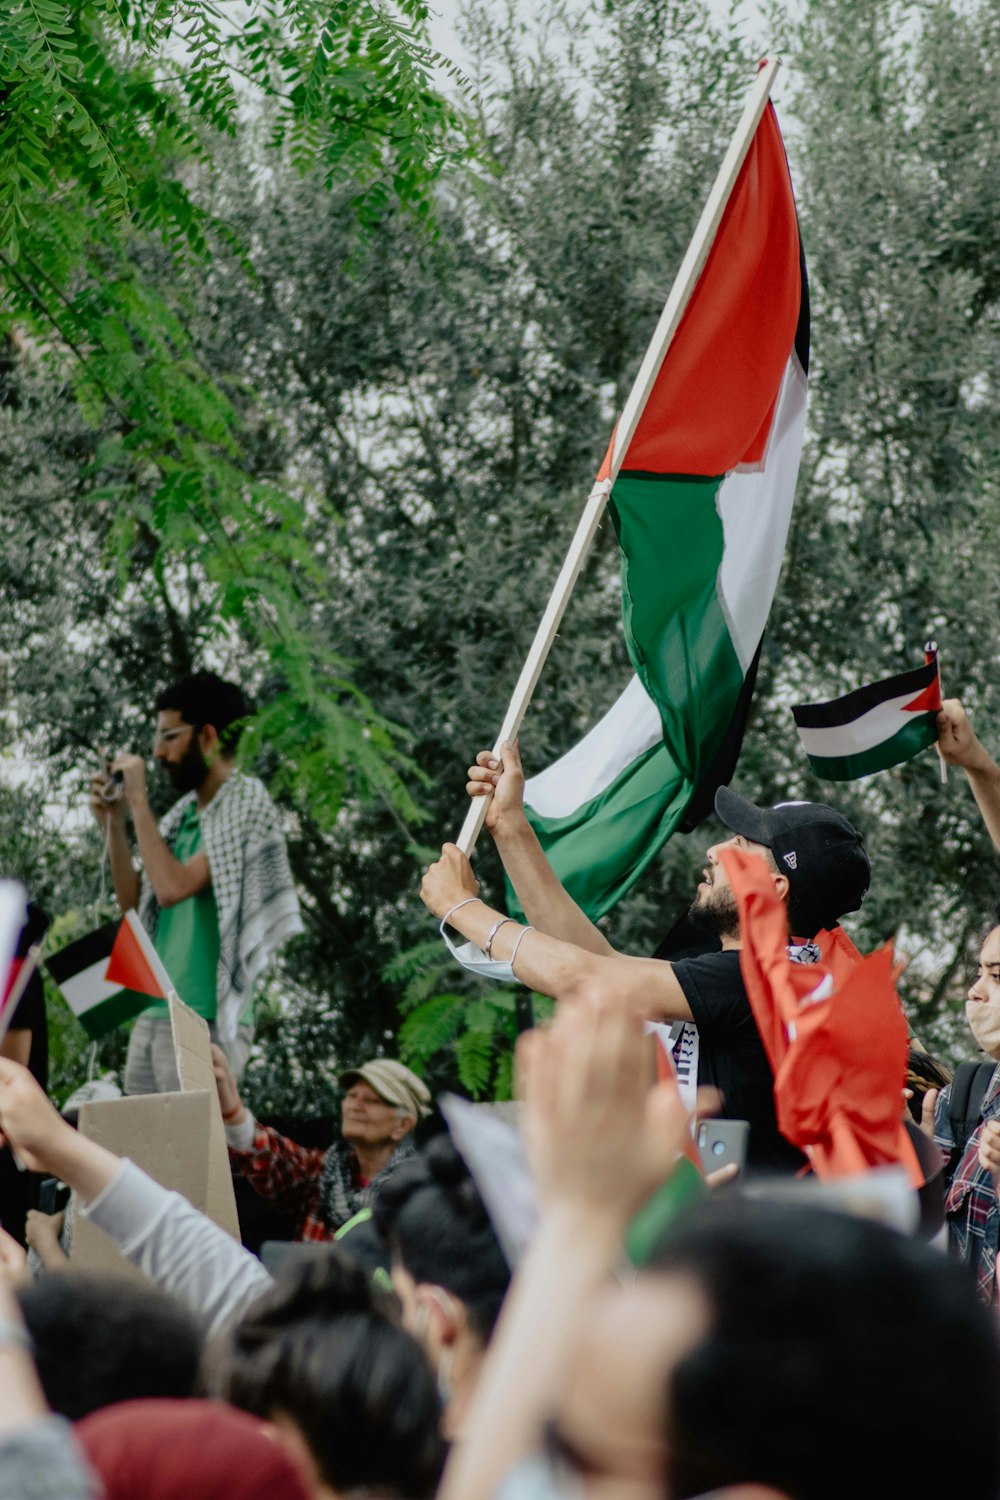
point(214, 889)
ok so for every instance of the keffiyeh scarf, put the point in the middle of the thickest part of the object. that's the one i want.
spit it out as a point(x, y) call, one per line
point(340, 1198)
point(254, 892)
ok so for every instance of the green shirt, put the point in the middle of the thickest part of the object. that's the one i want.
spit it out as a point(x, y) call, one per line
point(187, 935)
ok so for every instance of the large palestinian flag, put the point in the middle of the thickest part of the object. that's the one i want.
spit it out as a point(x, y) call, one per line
point(701, 502)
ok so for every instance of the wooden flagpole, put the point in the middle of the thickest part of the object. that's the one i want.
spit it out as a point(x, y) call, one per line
point(673, 311)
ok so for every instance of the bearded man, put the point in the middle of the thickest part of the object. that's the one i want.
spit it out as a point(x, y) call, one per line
point(819, 867)
point(214, 890)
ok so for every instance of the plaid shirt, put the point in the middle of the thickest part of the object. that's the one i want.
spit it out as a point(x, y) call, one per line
point(289, 1177)
point(972, 1208)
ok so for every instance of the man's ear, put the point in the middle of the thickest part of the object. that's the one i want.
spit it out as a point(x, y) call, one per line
point(402, 1125)
point(208, 740)
point(782, 885)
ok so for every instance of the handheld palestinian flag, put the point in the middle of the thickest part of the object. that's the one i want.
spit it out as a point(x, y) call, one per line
point(701, 505)
point(110, 975)
point(874, 727)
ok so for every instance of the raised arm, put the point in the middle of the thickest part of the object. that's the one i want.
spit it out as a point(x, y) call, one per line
point(960, 746)
point(547, 904)
point(178, 1248)
point(600, 1142)
point(110, 818)
point(172, 879)
point(645, 986)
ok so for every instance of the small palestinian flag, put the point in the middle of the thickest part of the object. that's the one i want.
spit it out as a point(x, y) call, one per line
point(110, 975)
point(874, 727)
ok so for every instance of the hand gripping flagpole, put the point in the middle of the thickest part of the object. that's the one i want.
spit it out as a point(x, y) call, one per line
point(673, 311)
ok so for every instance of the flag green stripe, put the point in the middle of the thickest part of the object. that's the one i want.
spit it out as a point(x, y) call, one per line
point(672, 543)
point(111, 1013)
point(903, 745)
point(603, 846)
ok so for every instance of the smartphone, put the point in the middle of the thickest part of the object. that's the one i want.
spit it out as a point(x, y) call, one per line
point(723, 1142)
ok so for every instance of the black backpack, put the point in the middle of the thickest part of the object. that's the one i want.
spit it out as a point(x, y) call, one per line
point(965, 1106)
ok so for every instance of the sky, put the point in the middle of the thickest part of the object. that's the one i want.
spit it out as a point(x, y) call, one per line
point(445, 13)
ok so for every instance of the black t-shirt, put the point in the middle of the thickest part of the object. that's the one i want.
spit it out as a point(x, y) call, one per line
point(731, 1056)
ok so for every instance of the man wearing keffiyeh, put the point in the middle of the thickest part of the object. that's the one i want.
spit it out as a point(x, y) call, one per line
point(214, 890)
point(319, 1190)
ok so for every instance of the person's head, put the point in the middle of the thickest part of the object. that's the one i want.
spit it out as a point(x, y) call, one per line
point(322, 1356)
point(608, 1433)
point(102, 1339)
point(447, 1265)
point(828, 1342)
point(158, 1450)
point(982, 1010)
point(923, 1073)
point(198, 720)
point(383, 1100)
point(816, 857)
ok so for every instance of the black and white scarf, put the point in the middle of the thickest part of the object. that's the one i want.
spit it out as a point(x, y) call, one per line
point(339, 1197)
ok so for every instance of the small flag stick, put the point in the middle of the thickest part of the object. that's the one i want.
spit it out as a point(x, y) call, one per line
point(930, 654)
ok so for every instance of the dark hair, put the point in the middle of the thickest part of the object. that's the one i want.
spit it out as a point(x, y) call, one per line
point(322, 1346)
point(923, 1073)
point(832, 1341)
point(101, 1339)
point(205, 698)
point(430, 1214)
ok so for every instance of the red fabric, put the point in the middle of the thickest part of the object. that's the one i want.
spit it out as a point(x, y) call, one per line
point(929, 701)
point(712, 404)
point(202, 1450)
point(288, 1175)
point(129, 966)
point(839, 1061)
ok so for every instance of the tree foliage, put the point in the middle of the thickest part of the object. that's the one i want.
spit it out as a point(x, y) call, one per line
point(110, 119)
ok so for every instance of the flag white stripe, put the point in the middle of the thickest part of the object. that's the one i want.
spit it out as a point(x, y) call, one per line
point(87, 988)
point(630, 727)
point(873, 728)
point(756, 509)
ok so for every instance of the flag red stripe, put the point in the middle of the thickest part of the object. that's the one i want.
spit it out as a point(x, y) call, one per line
point(711, 407)
point(129, 967)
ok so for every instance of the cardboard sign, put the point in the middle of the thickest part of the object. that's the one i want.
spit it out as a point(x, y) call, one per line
point(178, 1139)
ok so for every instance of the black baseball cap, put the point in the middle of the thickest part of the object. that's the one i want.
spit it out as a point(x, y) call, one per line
point(820, 852)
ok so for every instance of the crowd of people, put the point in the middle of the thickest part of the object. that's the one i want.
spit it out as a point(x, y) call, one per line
point(765, 1337)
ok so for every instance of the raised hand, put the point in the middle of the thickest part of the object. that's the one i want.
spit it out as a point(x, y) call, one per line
point(989, 1150)
point(600, 1139)
point(133, 771)
point(31, 1126)
point(958, 743)
point(503, 782)
point(233, 1109)
point(448, 881)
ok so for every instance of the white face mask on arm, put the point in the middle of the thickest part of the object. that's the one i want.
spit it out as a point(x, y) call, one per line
point(477, 962)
